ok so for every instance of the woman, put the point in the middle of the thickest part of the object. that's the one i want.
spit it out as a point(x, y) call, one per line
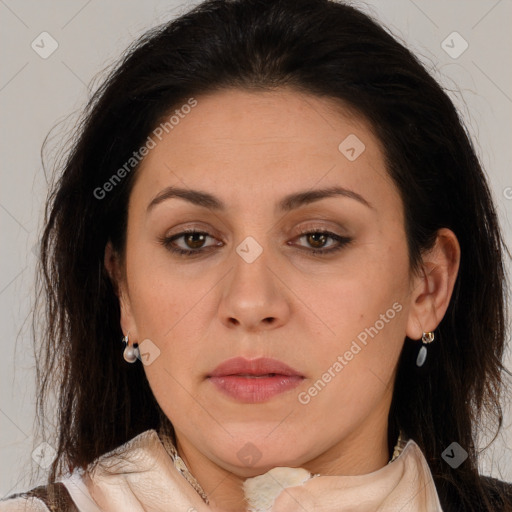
point(278, 211)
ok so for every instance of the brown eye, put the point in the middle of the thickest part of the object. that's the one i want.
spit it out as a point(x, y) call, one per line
point(194, 240)
point(317, 240)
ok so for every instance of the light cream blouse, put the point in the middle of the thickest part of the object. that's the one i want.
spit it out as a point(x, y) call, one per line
point(142, 475)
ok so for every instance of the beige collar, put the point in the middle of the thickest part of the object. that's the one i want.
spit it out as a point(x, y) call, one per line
point(141, 476)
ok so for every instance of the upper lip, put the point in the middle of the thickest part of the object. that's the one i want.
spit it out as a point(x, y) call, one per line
point(259, 366)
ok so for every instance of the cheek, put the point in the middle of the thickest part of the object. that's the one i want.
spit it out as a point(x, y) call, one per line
point(165, 308)
point(366, 314)
point(360, 299)
point(354, 373)
point(160, 295)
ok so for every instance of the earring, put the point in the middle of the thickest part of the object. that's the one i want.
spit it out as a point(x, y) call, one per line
point(131, 353)
point(428, 337)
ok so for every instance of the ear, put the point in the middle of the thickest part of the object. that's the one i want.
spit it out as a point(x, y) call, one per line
point(432, 289)
point(116, 271)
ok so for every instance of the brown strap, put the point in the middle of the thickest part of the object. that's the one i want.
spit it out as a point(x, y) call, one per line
point(55, 496)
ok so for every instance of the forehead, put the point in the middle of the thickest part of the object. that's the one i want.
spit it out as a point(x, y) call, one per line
point(281, 116)
point(238, 141)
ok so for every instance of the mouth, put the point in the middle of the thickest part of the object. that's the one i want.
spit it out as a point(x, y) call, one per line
point(255, 376)
point(255, 380)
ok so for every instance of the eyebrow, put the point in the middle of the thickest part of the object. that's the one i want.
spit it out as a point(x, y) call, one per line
point(288, 203)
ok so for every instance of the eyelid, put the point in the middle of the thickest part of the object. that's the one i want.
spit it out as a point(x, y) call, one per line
point(324, 225)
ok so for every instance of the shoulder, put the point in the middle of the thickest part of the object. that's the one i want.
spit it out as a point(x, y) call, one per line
point(22, 504)
point(71, 494)
point(51, 497)
point(500, 491)
point(497, 492)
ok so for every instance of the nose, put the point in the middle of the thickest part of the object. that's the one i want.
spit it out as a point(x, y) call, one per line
point(254, 297)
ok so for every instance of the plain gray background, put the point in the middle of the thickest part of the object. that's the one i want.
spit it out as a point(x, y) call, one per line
point(36, 93)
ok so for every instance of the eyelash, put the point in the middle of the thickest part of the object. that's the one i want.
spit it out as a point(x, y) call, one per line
point(167, 241)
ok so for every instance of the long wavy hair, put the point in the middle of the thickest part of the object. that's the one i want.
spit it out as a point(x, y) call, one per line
point(323, 48)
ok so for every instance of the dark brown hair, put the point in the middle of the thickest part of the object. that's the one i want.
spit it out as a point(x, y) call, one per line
point(319, 47)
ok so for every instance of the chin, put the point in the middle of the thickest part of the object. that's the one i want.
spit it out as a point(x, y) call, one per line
point(248, 459)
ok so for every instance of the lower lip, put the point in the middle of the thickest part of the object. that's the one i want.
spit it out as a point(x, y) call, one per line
point(255, 389)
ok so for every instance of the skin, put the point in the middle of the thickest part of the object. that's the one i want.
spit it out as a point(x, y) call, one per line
point(250, 149)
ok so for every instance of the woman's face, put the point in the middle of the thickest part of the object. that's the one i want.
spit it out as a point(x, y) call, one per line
point(255, 168)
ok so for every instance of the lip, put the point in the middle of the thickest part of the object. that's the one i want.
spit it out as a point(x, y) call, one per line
point(254, 380)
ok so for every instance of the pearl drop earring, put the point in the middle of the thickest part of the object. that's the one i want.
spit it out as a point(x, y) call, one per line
point(131, 353)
